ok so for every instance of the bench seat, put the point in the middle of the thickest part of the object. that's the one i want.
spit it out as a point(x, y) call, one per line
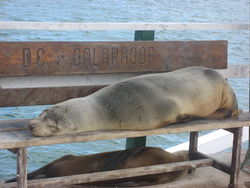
point(13, 133)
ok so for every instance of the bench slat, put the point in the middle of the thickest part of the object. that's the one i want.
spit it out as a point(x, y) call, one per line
point(13, 125)
point(40, 96)
point(116, 174)
point(16, 139)
point(31, 90)
point(65, 58)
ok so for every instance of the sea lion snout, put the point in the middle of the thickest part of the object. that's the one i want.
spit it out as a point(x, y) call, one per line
point(31, 126)
point(52, 121)
point(40, 128)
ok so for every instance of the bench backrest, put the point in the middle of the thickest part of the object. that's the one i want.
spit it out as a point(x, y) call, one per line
point(35, 73)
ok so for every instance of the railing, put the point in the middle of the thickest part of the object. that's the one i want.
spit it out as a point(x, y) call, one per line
point(119, 26)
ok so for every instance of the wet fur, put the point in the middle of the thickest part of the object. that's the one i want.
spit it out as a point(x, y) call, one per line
point(135, 157)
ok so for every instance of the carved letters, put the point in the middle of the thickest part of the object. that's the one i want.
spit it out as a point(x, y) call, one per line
point(76, 58)
point(27, 61)
point(26, 57)
point(92, 56)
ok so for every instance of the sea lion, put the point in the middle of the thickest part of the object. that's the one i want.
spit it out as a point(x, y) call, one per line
point(123, 159)
point(142, 103)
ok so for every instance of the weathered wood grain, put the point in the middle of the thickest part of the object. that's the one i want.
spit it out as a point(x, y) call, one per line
point(235, 163)
point(216, 164)
point(193, 146)
point(16, 139)
point(13, 125)
point(233, 71)
point(63, 58)
point(115, 174)
point(21, 168)
point(40, 96)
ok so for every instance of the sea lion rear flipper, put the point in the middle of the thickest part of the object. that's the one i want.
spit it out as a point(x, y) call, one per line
point(224, 113)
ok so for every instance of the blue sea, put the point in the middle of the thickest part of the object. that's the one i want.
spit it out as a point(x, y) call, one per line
point(214, 11)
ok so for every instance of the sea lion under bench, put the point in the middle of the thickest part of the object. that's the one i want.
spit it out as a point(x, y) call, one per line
point(123, 159)
point(142, 103)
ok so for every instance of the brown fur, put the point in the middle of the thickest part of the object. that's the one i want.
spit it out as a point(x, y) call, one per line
point(135, 157)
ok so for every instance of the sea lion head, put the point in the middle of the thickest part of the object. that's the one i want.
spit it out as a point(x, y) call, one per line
point(55, 120)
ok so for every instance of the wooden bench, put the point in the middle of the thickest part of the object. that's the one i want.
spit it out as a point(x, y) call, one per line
point(37, 73)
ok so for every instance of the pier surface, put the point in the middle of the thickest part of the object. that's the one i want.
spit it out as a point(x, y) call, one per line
point(206, 177)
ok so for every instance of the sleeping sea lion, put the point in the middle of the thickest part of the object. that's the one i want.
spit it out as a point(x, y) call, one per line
point(123, 159)
point(142, 103)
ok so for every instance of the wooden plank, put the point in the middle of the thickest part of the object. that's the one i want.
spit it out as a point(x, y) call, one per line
point(218, 165)
point(18, 139)
point(63, 58)
point(233, 71)
point(193, 145)
point(235, 163)
point(39, 96)
point(79, 26)
point(13, 125)
point(21, 168)
point(115, 174)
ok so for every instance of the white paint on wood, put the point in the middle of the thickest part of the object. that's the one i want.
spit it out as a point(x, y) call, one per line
point(119, 26)
point(213, 142)
point(62, 80)
point(234, 71)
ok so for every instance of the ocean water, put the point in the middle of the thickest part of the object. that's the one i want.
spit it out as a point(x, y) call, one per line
point(215, 11)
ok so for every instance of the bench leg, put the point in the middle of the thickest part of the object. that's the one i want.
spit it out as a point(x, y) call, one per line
point(135, 142)
point(193, 146)
point(21, 168)
point(235, 163)
point(246, 163)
